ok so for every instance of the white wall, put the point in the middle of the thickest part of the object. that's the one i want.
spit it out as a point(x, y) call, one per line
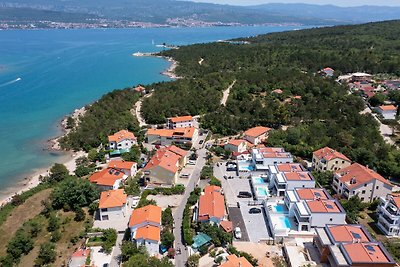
point(305, 184)
point(321, 219)
point(115, 213)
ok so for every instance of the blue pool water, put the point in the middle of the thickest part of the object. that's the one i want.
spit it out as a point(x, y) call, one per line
point(285, 222)
point(259, 180)
point(246, 168)
point(279, 208)
point(262, 191)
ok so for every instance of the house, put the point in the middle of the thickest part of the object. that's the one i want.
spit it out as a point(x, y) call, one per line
point(163, 167)
point(328, 72)
point(350, 245)
point(108, 179)
point(211, 205)
point(328, 159)
point(264, 157)
point(293, 179)
point(145, 228)
point(387, 111)
point(140, 89)
point(180, 122)
point(389, 215)
point(361, 77)
point(78, 258)
point(237, 145)
point(166, 137)
point(226, 225)
point(362, 181)
point(112, 205)
point(122, 140)
point(304, 194)
point(234, 261)
point(256, 135)
point(129, 168)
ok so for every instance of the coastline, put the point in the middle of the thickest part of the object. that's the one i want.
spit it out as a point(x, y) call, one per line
point(53, 144)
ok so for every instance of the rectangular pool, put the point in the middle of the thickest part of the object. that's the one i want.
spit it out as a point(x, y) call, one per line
point(261, 191)
point(258, 180)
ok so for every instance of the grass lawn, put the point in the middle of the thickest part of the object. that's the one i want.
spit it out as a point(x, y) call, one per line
point(29, 209)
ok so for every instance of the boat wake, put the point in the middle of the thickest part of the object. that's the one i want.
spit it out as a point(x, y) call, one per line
point(10, 82)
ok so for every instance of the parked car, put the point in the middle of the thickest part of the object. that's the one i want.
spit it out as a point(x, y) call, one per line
point(244, 194)
point(192, 162)
point(254, 210)
point(184, 175)
point(238, 233)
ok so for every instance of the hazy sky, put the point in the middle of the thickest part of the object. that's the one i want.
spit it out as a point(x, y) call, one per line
point(333, 2)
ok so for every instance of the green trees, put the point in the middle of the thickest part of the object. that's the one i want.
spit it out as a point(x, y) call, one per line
point(109, 238)
point(20, 244)
point(74, 193)
point(353, 207)
point(193, 260)
point(58, 173)
point(47, 254)
point(132, 155)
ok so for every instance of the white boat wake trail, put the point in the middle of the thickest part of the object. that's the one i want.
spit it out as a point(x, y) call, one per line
point(10, 82)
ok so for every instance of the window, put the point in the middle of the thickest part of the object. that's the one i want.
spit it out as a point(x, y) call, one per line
point(330, 219)
point(342, 161)
point(336, 162)
point(103, 210)
point(363, 192)
point(362, 199)
point(365, 184)
point(104, 218)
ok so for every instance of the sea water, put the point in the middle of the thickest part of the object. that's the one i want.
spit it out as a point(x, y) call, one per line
point(46, 74)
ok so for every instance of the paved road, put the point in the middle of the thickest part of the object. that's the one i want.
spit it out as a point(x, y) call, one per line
point(181, 258)
point(116, 253)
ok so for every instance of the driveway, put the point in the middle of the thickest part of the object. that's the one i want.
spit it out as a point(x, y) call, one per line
point(256, 224)
point(116, 253)
point(235, 216)
point(384, 129)
point(181, 258)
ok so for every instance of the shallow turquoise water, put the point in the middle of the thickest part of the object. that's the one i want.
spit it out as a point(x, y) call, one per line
point(46, 74)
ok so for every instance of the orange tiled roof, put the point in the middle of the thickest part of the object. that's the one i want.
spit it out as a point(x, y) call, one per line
point(298, 176)
point(121, 135)
point(329, 154)
point(237, 142)
point(121, 164)
point(311, 193)
point(180, 119)
point(149, 213)
point(211, 203)
point(256, 131)
point(165, 159)
point(388, 108)
point(234, 261)
point(227, 226)
point(179, 151)
point(81, 253)
point(271, 149)
point(107, 177)
point(326, 206)
point(148, 232)
point(139, 88)
point(187, 132)
point(365, 253)
point(357, 174)
point(112, 198)
point(348, 233)
point(289, 167)
point(396, 199)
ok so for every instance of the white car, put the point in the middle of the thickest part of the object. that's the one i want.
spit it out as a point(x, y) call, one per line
point(192, 162)
point(238, 233)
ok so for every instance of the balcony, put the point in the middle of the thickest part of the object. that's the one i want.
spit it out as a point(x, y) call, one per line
point(387, 219)
point(300, 218)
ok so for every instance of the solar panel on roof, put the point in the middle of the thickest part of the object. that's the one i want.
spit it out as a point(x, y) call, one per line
point(370, 248)
point(317, 194)
point(356, 235)
point(329, 206)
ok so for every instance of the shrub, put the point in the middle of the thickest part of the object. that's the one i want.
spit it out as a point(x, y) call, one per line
point(47, 254)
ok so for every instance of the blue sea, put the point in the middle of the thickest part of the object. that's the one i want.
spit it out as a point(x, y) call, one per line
point(46, 74)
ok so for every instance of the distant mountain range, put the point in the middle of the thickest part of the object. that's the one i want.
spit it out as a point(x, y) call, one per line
point(171, 12)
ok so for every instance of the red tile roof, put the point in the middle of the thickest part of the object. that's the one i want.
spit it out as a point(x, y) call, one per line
point(180, 119)
point(328, 154)
point(238, 142)
point(289, 167)
point(187, 132)
point(167, 158)
point(112, 198)
point(121, 135)
point(277, 91)
point(227, 226)
point(81, 253)
point(234, 261)
point(211, 203)
point(396, 199)
point(298, 176)
point(257, 131)
point(323, 206)
point(348, 233)
point(311, 193)
point(106, 177)
point(365, 253)
point(146, 214)
point(388, 108)
point(148, 232)
point(139, 88)
point(357, 174)
point(121, 164)
point(177, 150)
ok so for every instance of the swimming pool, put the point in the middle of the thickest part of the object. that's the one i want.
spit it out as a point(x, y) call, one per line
point(285, 222)
point(261, 191)
point(246, 168)
point(258, 180)
point(280, 223)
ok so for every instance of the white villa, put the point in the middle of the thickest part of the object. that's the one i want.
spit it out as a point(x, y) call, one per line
point(112, 205)
point(122, 140)
point(263, 157)
point(389, 215)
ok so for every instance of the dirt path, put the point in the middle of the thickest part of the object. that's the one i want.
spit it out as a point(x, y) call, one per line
point(201, 61)
point(136, 112)
point(226, 93)
point(21, 214)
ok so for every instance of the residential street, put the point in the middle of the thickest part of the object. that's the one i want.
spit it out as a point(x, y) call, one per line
point(385, 130)
point(181, 258)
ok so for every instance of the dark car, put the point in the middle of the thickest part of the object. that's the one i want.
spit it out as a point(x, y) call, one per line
point(254, 210)
point(244, 194)
point(201, 142)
